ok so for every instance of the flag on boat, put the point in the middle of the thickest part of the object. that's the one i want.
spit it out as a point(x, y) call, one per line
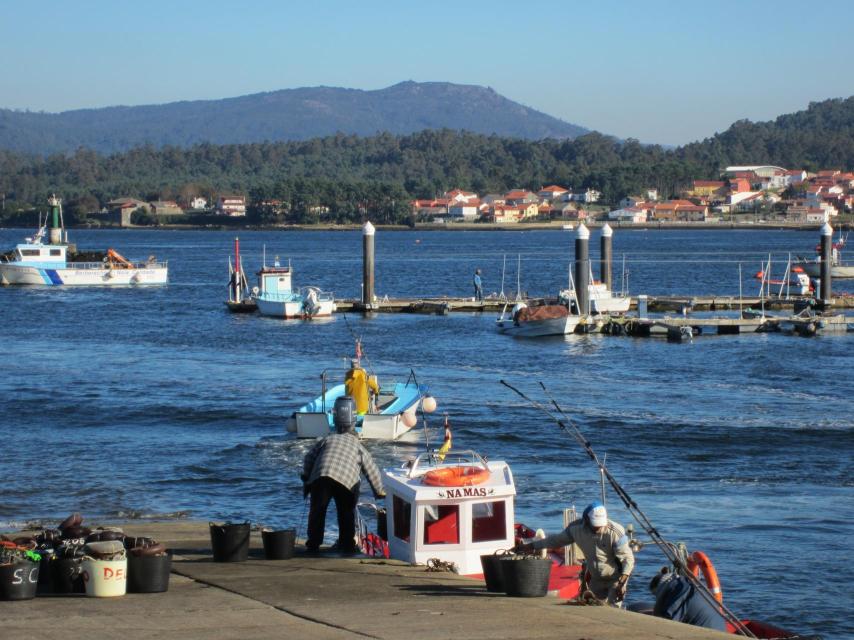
point(358, 349)
point(446, 445)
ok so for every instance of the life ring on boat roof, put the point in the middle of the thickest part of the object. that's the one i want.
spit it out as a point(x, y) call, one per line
point(699, 561)
point(456, 476)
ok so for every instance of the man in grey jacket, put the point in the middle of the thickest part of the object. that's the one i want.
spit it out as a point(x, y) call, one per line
point(606, 550)
point(331, 471)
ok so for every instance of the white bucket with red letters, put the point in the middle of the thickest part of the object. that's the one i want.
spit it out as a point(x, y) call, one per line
point(105, 578)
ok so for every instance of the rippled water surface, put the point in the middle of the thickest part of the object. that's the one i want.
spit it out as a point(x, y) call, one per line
point(139, 402)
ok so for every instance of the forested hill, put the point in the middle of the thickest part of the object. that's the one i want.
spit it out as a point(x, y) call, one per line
point(292, 114)
point(820, 137)
point(340, 172)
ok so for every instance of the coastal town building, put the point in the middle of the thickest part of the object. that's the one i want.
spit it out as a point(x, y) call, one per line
point(551, 193)
point(165, 208)
point(231, 205)
point(198, 203)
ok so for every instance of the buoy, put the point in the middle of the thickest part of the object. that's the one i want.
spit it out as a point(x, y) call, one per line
point(428, 404)
point(409, 419)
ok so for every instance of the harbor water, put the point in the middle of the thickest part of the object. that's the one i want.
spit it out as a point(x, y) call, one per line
point(131, 403)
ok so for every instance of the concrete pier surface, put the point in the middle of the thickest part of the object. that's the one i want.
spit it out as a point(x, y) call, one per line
point(317, 598)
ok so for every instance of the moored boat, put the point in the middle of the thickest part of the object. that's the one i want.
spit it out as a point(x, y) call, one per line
point(537, 320)
point(240, 299)
point(57, 263)
point(276, 297)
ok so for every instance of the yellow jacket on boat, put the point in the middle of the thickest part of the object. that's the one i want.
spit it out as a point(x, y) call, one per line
point(357, 383)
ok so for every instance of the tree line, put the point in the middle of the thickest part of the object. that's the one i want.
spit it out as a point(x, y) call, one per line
point(348, 178)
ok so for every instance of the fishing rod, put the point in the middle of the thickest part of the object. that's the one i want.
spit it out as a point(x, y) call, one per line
point(358, 340)
point(667, 548)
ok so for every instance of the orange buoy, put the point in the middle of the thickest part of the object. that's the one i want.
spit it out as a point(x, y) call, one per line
point(456, 476)
point(699, 561)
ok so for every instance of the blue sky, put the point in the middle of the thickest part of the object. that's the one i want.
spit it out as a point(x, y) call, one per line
point(668, 72)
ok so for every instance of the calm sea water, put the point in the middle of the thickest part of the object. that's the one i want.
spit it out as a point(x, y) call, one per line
point(155, 402)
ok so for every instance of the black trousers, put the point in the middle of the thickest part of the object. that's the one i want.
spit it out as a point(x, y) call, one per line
point(322, 491)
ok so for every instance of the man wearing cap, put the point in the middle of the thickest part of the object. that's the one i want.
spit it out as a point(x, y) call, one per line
point(606, 550)
point(359, 385)
point(331, 471)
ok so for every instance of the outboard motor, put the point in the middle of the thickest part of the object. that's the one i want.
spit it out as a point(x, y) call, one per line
point(344, 414)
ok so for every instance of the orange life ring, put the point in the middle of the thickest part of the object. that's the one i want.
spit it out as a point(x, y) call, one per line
point(699, 561)
point(456, 476)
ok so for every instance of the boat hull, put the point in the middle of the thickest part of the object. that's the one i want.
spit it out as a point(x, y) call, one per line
point(839, 271)
point(293, 308)
point(69, 275)
point(539, 328)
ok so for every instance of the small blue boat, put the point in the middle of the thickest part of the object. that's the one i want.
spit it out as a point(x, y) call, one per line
point(394, 417)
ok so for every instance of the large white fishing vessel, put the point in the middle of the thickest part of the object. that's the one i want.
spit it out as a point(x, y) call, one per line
point(56, 263)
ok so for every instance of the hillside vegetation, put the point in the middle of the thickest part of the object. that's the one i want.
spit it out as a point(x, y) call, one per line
point(291, 114)
point(351, 175)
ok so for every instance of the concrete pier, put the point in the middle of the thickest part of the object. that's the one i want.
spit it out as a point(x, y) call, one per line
point(317, 598)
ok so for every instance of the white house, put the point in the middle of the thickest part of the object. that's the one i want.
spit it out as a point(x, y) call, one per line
point(628, 214)
point(231, 205)
point(588, 196)
point(464, 210)
point(198, 203)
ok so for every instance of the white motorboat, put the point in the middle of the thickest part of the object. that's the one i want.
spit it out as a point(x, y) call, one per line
point(536, 321)
point(602, 299)
point(56, 263)
point(276, 297)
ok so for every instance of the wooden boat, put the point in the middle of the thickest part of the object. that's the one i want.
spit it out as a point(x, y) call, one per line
point(536, 321)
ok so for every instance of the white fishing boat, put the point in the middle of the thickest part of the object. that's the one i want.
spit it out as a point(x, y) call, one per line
point(536, 321)
point(393, 414)
point(602, 299)
point(839, 269)
point(455, 508)
point(276, 297)
point(57, 263)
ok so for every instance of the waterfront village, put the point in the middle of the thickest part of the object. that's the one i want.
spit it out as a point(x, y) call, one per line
point(752, 194)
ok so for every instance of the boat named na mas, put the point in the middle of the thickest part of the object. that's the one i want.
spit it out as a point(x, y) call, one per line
point(57, 263)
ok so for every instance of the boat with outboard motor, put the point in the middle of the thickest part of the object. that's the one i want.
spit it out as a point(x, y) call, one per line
point(537, 318)
point(839, 269)
point(58, 263)
point(393, 414)
point(276, 297)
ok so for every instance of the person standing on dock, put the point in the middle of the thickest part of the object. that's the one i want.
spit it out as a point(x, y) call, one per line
point(359, 386)
point(331, 471)
point(478, 286)
point(606, 549)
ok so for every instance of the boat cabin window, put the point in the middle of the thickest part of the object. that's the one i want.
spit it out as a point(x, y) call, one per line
point(56, 252)
point(488, 521)
point(402, 515)
point(30, 252)
point(442, 524)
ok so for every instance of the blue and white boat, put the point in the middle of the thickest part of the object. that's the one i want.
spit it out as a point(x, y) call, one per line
point(394, 417)
point(276, 297)
point(54, 263)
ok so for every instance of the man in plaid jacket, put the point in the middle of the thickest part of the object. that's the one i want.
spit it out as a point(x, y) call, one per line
point(331, 471)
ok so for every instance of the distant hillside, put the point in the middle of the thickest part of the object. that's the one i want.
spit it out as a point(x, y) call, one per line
point(342, 173)
point(291, 114)
point(820, 137)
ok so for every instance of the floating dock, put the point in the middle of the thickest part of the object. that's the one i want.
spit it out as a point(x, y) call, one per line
point(318, 598)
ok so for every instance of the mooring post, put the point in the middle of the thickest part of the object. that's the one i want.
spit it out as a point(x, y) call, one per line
point(582, 269)
point(605, 274)
point(826, 262)
point(368, 232)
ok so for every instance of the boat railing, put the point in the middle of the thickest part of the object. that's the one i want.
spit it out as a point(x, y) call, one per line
point(281, 297)
point(107, 265)
point(322, 296)
point(451, 458)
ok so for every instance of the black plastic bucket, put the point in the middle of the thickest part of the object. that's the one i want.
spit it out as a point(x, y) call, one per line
point(149, 574)
point(382, 523)
point(278, 545)
point(230, 542)
point(492, 572)
point(526, 577)
point(19, 580)
point(66, 575)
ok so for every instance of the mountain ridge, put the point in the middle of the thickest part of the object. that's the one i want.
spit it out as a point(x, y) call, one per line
point(282, 115)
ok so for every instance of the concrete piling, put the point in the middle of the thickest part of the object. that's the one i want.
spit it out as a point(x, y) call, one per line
point(605, 272)
point(368, 233)
point(582, 269)
point(826, 262)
